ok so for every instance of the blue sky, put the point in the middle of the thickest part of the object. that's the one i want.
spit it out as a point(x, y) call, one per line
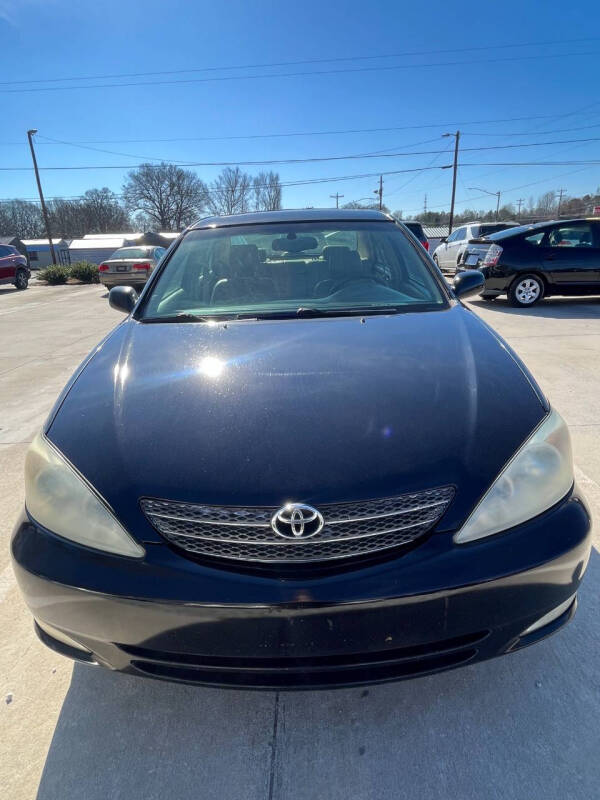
point(555, 96)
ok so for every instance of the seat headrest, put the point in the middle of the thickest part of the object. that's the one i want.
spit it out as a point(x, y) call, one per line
point(345, 263)
point(330, 249)
point(244, 259)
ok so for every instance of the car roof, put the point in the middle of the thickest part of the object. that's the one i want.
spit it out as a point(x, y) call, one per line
point(535, 226)
point(293, 215)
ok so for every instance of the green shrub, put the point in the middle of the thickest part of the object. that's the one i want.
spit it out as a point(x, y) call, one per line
point(55, 274)
point(85, 271)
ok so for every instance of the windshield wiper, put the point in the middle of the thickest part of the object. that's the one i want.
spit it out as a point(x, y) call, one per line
point(313, 312)
point(186, 316)
point(302, 312)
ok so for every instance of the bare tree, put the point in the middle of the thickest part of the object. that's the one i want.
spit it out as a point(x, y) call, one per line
point(230, 192)
point(66, 219)
point(267, 191)
point(22, 219)
point(373, 206)
point(546, 204)
point(98, 211)
point(103, 213)
point(168, 195)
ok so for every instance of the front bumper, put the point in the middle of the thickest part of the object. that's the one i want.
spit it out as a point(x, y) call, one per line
point(436, 607)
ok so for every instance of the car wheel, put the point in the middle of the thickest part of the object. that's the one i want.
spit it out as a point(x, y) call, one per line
point(525, 291)
point(21, 279)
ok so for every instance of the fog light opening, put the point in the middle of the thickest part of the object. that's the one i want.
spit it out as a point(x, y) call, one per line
point(550, 616)
point(62, 637)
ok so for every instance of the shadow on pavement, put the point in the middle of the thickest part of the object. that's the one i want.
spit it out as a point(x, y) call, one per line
point(553, 307)
point(523, 726)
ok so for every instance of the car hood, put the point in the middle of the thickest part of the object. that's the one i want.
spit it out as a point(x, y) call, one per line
point(309, 410)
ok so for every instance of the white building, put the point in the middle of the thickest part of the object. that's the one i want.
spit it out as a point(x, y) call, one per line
point(39, 255)
point(97, 247)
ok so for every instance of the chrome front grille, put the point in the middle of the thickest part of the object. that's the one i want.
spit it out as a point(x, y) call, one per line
point(350, 529)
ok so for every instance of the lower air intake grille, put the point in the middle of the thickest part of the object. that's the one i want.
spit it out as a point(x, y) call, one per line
point(349, 529)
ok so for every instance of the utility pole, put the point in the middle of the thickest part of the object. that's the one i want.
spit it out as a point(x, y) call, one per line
point(337, 196)
point(425, 205)
point(43, 204)
point(380, 192)
point(497, 206)
point(454, 170)
point(560, 197)
point(520, 201)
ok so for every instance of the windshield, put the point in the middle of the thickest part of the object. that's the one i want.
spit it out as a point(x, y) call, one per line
point(270, 269)
point(130, 252)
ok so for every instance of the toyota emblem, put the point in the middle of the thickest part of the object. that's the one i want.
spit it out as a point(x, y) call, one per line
point(297, 521)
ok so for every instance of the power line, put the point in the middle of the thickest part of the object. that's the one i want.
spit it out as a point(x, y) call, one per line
point(173, 161)
point(300, 74)
point(310, 160)
point(389, 129)
point(364, 175)
point(298, 63)
point(528, 133)
point(306, 182)
point(508, 191)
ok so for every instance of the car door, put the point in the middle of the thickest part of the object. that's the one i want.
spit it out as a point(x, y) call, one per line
point(459, 237)
point(7, 268)
point(444, 250)
point(571, 257)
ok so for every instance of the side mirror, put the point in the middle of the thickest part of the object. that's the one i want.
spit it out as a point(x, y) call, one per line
point(443, 240)
point(468, 283)
point(123, 298)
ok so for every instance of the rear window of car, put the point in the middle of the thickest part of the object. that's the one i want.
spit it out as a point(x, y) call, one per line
point(416, 229)
point(486, 230)
point(130, 252)
point(286, 267)
point(520, 229)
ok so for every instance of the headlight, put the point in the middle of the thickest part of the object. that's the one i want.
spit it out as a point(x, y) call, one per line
point(59, 499)
point(538, 476)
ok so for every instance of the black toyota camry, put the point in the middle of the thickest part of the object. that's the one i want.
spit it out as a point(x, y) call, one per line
point(300, 461)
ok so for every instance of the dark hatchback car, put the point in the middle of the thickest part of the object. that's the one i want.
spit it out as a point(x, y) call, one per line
point(536, 261)
point(291, 466)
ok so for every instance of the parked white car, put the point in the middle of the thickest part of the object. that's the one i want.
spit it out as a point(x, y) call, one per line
point(450, 252)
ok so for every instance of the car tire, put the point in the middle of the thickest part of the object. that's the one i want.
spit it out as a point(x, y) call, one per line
point(21, 279)
point(526, 291)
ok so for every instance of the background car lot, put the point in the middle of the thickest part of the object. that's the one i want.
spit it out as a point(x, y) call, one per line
point(523, 726)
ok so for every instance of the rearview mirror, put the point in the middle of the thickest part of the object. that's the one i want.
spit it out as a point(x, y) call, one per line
point(468, 283)
point(123, 298)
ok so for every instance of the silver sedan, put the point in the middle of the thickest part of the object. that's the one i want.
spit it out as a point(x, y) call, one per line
point(130, 266)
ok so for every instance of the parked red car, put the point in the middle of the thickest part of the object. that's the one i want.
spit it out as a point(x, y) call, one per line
point(13, 267)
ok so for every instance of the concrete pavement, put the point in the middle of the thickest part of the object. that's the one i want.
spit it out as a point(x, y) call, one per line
point(524, 726)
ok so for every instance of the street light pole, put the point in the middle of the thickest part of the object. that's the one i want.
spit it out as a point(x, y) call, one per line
point(493, 194)
point(43, 204)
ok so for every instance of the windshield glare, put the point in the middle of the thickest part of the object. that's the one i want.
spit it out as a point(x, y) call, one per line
point(262, 269)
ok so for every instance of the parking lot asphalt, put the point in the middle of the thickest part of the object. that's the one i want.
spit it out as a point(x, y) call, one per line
point(524, 726)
